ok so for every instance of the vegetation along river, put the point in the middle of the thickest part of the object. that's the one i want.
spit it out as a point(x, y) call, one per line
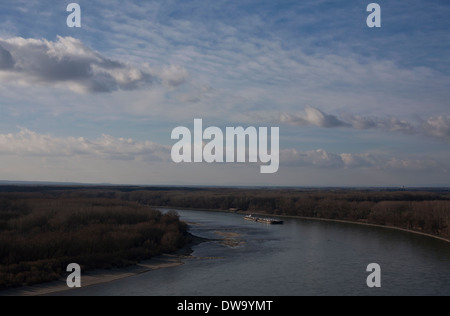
point(300, 257)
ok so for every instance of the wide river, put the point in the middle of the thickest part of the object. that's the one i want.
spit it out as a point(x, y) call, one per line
point(301, 257)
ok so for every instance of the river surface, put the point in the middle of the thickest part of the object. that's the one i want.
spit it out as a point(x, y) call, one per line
point(301, 257)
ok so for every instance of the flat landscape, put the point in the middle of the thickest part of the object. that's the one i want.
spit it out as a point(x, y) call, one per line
point(44, 228)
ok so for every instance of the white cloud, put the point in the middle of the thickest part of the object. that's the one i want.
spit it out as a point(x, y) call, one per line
point(68, 63)
point(435, 127)
point(317, 158)
point(391, 124)
point(321, 158)
point(29, 143)
point(312, 116)
point(174, 76)
point(438, 127)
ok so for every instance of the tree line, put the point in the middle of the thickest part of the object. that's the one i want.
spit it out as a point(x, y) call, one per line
point(40, 234)
point(422, 211)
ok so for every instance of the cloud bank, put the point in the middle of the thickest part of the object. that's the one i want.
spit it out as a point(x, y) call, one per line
point(29, 143)
point(321, 158)
point(437, 127)
point(26, 143)
point(313, 116)
point(68, 63)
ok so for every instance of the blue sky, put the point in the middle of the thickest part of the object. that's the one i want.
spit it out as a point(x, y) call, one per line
point(356, 106)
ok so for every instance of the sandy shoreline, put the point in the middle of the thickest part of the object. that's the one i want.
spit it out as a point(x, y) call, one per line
point(98, 276)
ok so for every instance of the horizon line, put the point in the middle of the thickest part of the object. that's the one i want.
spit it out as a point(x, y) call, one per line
point(4, 183)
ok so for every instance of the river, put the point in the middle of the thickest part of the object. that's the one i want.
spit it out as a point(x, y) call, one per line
point(301, 257)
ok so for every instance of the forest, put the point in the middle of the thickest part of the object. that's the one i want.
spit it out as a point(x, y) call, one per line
point(426, 211)
point(44, 228)
point(40, 234)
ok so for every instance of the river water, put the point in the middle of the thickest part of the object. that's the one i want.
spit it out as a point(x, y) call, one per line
point(301, 257)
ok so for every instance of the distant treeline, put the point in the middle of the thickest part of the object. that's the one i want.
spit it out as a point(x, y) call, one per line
point(41, 233)
point(422, 211)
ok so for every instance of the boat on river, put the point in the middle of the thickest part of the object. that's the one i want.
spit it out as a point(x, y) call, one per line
point(263, 220)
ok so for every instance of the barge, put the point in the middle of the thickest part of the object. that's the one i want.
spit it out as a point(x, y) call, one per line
point(270, 221)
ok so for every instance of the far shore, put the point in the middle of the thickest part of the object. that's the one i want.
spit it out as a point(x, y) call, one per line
point(306, 218)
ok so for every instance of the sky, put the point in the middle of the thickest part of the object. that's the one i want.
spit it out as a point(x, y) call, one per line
point(355, 106)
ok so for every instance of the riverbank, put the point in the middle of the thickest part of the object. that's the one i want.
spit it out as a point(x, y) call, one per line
point(308, 218)
point(353, 222)
point(40, 235)
point(101, 276)
point(97, 277)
